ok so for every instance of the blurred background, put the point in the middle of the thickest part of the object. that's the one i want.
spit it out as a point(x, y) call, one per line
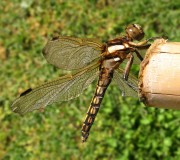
point(124, 128)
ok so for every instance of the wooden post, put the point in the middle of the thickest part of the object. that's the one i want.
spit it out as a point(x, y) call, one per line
point(159, 76)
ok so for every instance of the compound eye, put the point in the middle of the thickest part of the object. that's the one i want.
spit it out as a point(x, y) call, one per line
point(135, 31)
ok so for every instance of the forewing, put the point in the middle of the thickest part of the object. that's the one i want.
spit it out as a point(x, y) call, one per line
point(62, 89)
point(72, 53)
point(123, 86)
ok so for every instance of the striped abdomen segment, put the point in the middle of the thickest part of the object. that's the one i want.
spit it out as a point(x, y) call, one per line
point(103, 82)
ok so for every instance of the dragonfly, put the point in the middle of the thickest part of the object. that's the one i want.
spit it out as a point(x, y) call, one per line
point(88, 59)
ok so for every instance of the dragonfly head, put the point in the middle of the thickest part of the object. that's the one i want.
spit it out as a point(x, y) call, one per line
point(135, 32)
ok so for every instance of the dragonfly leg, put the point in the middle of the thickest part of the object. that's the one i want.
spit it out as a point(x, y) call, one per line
point(139, 44)
point(128, 67)
point(138, 54)
point(146, 46)
point(154, 38)
point(126, 72)
point(143, 43)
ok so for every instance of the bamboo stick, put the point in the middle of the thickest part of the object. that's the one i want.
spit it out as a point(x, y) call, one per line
point(159, 76)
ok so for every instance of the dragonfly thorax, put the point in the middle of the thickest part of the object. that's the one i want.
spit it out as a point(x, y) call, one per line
point(114, 48)
point(118, 52)
point(112, 63)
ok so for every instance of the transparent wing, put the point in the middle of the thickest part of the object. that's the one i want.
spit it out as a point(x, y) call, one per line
point(72, 53)
point(62, 89)
point(123, 86)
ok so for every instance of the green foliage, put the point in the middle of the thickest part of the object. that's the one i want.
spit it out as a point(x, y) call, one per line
point(124, 128)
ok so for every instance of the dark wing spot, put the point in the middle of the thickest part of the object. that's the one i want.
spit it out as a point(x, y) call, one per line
point(25, 92)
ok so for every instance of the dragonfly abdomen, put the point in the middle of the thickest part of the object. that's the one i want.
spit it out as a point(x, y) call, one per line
point(103, 82)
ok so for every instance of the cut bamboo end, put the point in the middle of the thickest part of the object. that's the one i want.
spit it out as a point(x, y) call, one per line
point(159, 76)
